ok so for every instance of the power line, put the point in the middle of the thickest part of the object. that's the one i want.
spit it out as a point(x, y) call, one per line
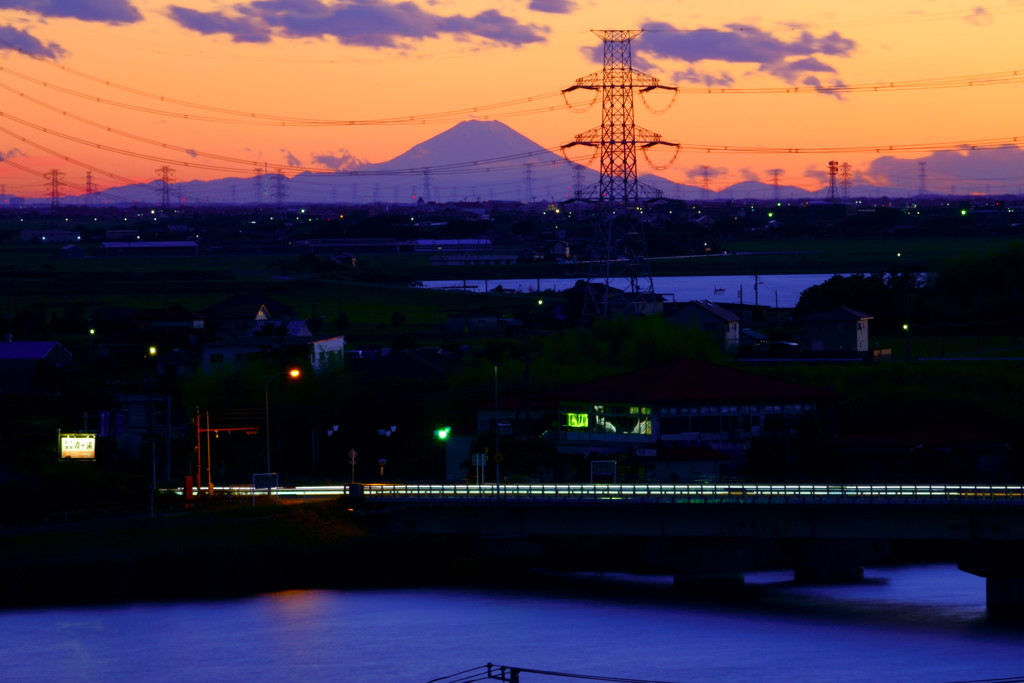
point(978, 80)
point(964, 145)
point(454, 167)
point(254, 118)
point(475, 166)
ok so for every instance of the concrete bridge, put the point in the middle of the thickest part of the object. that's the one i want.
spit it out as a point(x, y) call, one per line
point(700, 532)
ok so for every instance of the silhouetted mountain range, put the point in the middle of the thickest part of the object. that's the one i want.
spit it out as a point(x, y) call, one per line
point(472, 161)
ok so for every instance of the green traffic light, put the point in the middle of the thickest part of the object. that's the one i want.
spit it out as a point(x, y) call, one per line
point(442, 433)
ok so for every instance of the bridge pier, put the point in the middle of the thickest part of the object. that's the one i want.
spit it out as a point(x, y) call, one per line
point(1001, 564)
point(709, 566)
point(1004, 597)
point(835, 560)
point(708, 585)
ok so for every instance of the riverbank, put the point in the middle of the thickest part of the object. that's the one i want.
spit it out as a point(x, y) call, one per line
point(211, 554)
point(239, 551)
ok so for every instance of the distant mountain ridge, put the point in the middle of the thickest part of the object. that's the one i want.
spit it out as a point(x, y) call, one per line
point(471, 161)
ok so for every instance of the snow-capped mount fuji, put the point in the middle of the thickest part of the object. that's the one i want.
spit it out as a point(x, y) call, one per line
point(473, 141)
point(472, 161)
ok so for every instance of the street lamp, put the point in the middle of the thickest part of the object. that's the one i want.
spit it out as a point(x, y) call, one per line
point(294, 373)
point(442, 434)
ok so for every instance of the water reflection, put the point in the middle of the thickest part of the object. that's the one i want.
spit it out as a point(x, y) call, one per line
point(904, 624)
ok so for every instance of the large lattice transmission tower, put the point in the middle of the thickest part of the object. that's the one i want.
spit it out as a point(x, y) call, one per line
point(54, 179)
point(833, 173)
point(166, 175)
point(619, 250)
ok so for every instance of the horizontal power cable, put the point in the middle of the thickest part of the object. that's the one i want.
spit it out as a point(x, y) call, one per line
point(474, 166)
point(254, 118)
point(997, 78)
point(965, 145)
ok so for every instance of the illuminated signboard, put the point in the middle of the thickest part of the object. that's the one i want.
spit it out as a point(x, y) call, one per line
point(78, 446)
point(578, 420)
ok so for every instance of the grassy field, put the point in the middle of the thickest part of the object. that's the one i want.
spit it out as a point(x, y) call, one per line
point(834, 255)
point(37, 278)
point(34, 279)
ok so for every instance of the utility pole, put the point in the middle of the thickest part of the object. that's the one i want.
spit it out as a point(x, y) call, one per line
point(619, 248)
point(833, 172)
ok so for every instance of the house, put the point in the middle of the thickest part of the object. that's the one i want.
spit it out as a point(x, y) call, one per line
point(841, 329)
point(326, 352)
point(173, 325)
point(140, 248)
point(32, 367)
point(239, 313)
point(938, 454)
point(236, 352)
point(481, 324)
point(662, 411)
point(722, 325)
point(596, 298)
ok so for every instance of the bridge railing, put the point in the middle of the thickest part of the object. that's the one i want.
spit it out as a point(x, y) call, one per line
point(703, 493)
point(817, 494)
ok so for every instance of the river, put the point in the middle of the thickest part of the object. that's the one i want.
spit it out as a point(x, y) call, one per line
point(782, 291)
point(918, 623)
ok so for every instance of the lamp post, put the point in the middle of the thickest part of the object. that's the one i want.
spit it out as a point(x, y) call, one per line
point(442, 434)
point(497, 452)
point(294, 373)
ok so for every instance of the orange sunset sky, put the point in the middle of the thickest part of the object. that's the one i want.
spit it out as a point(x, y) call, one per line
point(211, 88)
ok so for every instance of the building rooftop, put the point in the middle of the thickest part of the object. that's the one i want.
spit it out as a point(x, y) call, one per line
point(689, 381)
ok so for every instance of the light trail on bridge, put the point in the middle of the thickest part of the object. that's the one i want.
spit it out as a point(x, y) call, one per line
point(963, 494)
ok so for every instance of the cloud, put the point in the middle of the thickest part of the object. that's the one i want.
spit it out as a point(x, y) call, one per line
point(241, 29)
point(19, 41)
point(291, 158)
point(979, 16)
point(342, 161)
point(817, 173)
point(553, 6)
point(691, 75)
point(789, 60)
point(371, 23)
point(698, 172)
point(12, 153)
point(998, 168)
point(110, 11)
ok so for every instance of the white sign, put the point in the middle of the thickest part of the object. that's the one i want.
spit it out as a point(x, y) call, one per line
point(78, 446)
